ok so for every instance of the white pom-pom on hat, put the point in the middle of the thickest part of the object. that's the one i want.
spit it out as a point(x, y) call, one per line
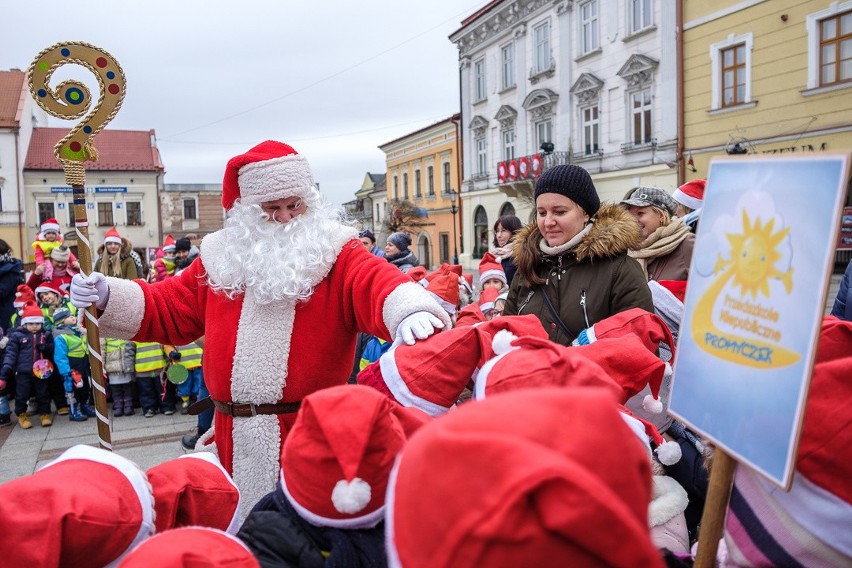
point(652, 405)
point(668, 453)
point(349, 497)
point(502, 342)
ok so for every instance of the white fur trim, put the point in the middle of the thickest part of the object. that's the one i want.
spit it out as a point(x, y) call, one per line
point(651, 404)
point(637, 428)
point(33, 319)
point(398, 387)
point(406, 299)
point(489, 274)
point(122, 317)
point(116, 240)
point(349, 497)
point(137, 478)
point(45, 227)
point(668, 453)
point(481, 378)
point(234, 524)
point(367, 521)
point(287, 176)
point(668, 499)
point(448, 307)
point(687, 200)
point(41, 288)
point(259, 375)
point(502, 342)
point(486, 307)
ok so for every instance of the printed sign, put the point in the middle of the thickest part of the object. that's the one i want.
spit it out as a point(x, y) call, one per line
point(110, 189)
point(754, 304)
point(61, 189)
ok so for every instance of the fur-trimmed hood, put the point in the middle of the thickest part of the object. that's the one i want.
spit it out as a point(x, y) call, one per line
point(614, 231)
point(123, 252)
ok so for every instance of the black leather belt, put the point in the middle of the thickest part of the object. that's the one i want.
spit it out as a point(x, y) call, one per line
point(243, 409)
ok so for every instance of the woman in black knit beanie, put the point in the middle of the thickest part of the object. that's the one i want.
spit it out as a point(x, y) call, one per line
point(575, 256)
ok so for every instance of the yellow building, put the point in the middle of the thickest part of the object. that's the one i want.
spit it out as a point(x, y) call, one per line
point(422, 168)
point(765, 78)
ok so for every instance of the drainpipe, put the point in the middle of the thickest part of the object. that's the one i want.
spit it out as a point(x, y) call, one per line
point(681, 169)
point(21, 228)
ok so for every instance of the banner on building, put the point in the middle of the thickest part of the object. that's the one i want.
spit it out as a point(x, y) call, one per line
point(754, 304)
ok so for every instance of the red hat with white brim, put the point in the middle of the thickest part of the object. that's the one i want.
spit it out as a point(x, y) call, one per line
point(50, 225)
point(269, 171)
point(198, 547)
point(112, 236)
point(691, 194)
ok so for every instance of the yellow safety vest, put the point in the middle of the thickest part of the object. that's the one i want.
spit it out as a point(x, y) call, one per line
point(77, 348)
point(149, 357)
point(190, 355)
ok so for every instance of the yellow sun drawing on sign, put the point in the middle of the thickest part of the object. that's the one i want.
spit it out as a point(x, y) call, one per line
point(754, 253)
point(751, 266)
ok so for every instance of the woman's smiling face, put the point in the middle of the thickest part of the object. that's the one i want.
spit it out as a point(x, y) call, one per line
point(559, 218)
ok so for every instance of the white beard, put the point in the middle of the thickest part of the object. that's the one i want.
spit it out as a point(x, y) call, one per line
point(275, 261)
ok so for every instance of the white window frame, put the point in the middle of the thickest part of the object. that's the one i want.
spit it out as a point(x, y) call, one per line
point(589, 24)
point(98, 213)
point(508, 145)
point(812, 22)
point(38, 206)
point(716, 65)
point(592, 147)
point(644, 9)
point(446, 176)
point(507, 65)
point(542, 52)
point(479, 85)
point(543, 132)
point(141, 212)
point(631, 113)
point(481, 145)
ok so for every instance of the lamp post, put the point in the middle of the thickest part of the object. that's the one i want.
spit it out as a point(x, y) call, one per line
point(454, 210)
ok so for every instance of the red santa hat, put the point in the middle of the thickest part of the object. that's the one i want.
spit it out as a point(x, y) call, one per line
point(487, 299)
point(169, 244)
point(668, 452)
point(195, 490)
point(467, 281)
point(337, 456)
point(691, 194)
point(51, 286)
point(532, 362)
point(445, 288)
point(87, 508)
point(668, 296)
point(489, 268)
point(826, 435)
point(199, 547)
point(50, 225)
point(431, 374)
point(418, 274)
point(112, 236)
point(271, 170)
point(23, 295)
point(31, 314)
point(445, 268)
point(471, 314)
point(536, 478)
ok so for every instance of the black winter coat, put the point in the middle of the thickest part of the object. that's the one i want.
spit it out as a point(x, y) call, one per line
point(11, 276)
point(24, 349)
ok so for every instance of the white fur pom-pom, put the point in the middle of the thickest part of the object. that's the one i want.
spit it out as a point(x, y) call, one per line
point(668, 453)
point(652, 405)
point(349, 497)
point(502, 342)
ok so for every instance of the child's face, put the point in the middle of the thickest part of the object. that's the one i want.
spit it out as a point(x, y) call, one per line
point(33, 327)
point(50, 236)
point(48, 298)
point(70, 321)
point(492, 283)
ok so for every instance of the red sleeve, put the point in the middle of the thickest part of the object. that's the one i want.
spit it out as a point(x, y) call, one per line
point(174, 308)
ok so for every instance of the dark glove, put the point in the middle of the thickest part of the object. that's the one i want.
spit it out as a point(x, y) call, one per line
point(174, 356)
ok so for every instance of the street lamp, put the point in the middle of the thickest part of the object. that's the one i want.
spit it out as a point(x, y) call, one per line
point(454, 210)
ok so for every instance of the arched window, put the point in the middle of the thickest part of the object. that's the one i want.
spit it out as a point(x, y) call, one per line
point(424, 249)
point(507, 209)
point(480, 232)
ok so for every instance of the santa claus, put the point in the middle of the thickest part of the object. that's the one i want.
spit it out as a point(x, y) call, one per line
point(279, 294)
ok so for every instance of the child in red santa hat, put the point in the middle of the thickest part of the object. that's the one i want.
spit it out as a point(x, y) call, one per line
point(47, 240)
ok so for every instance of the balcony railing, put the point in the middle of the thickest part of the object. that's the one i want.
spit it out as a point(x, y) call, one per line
point(529, 167)
point(635, 146)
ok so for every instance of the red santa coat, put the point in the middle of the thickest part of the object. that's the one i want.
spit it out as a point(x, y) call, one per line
point(278, 352)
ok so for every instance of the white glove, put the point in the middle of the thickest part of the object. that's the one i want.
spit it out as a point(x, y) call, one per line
point(420, 325)
point(86, 290)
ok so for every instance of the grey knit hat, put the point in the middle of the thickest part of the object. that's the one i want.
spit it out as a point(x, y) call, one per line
point(573, 182)
point(60, 315)
point(651, 197)
point(400, 240)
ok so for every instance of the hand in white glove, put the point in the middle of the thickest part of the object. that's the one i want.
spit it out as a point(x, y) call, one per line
point(86, 290)
point(418, 325)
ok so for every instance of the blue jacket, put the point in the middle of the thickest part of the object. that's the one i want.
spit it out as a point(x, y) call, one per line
point(24, 349)
point(843, 303)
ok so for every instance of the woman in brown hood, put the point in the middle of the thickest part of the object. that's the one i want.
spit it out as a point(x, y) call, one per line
point(115, 257)
point(573, 268)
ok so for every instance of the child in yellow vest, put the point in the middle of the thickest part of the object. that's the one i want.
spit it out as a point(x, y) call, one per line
point(149, 366)
point(47, 240)
point(189, 356)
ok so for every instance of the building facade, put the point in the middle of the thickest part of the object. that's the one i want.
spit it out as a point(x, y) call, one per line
point(767, 78)
point(422, 168)
point(366, 208)
point(191, 210)
point(18, 116)
point(122, 188)
point(546, 83)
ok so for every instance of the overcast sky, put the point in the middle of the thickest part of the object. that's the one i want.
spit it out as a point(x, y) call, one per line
point(334, 79)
